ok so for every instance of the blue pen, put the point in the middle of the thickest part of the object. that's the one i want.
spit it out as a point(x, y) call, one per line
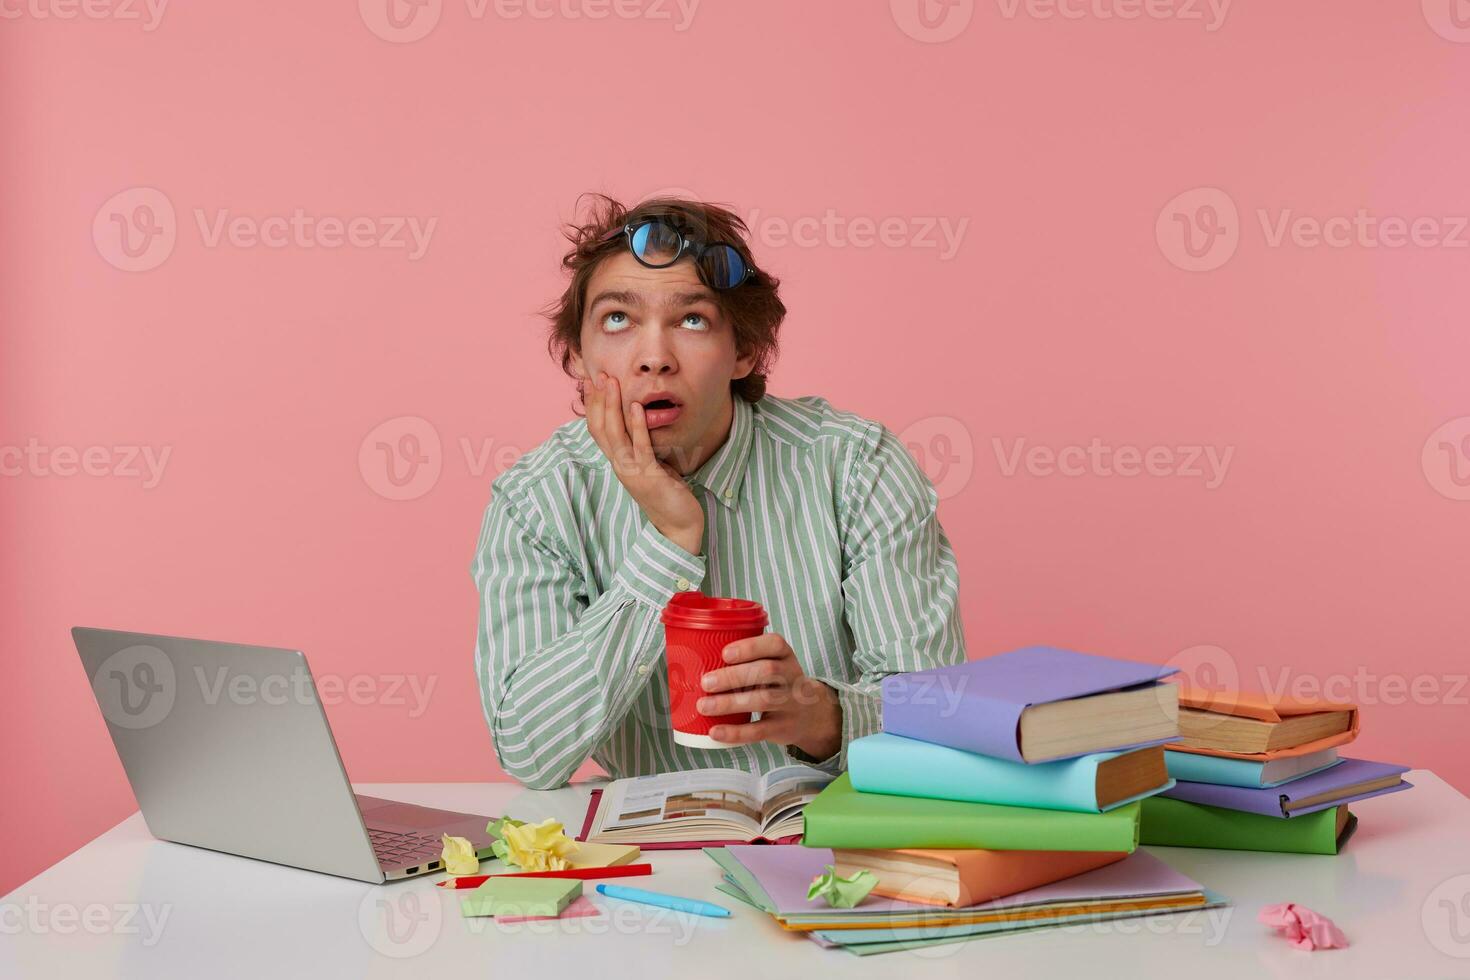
point(663, 901)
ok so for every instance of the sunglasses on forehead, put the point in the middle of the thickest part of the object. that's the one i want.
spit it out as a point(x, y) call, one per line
point(658, 244)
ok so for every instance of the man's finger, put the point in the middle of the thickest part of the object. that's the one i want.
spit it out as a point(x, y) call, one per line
point(757, 673)
point(755, 648)
point(594, 412)
point(642, 441)
point(614, 428)
point(615, 442)
point(764, 730)
point(760, 699)
point(597, 424)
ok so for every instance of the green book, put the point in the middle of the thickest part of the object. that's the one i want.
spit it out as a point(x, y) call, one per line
point(504, 895)
point(1177, 823)
point(840, 816)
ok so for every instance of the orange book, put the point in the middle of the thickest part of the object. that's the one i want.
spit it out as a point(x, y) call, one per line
point(1260, 711)
point(965, 876)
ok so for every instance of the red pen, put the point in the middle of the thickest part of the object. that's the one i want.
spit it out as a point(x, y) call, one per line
point(618, 871)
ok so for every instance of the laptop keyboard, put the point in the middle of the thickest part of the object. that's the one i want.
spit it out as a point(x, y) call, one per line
point(394, 849)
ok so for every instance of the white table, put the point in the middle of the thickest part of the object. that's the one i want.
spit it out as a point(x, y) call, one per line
point(128, 905)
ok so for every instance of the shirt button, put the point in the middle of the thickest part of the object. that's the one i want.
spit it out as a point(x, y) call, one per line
point(643, 668)
point(683, 584)
point(729, 493)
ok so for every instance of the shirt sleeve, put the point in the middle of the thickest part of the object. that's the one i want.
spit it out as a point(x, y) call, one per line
point(900, 584)
point(559, 669)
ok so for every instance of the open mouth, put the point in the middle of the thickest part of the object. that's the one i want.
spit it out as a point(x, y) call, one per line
point(659, 412)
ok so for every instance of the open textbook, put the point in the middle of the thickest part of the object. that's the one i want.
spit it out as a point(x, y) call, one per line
point(703, 805)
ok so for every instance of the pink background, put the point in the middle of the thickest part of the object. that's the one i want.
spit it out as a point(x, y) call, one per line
point(1336, 547)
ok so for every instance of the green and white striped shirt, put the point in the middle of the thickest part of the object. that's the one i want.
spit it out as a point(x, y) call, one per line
point(819, 515)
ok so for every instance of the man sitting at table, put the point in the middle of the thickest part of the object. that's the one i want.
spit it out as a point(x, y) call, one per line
point(687, 475)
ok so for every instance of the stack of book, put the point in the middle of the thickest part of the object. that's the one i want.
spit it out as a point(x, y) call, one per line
point(1000, 775)
point(1263, 774)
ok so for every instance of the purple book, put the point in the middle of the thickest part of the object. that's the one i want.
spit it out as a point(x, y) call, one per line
point(976, 706)
point(1338, 782)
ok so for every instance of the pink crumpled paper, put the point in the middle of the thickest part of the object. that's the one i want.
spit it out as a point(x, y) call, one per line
point(1302, 927)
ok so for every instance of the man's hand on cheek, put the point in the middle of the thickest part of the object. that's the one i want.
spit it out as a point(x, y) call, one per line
point(764, 675)
point(658, 489)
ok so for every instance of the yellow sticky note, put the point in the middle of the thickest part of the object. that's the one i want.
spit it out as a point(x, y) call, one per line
point(539, 846)
point(459, 856)
point(591, 855)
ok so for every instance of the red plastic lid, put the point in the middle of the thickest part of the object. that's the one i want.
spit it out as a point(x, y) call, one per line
point(695, 610)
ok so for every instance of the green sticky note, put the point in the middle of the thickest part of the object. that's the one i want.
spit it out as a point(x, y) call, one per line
point(498, 847)
point(521, 896)
point(496, 827)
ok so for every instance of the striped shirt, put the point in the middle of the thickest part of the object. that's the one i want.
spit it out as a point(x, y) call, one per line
point(819, 515)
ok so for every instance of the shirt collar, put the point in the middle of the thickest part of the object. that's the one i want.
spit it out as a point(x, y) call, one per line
point(723, 474)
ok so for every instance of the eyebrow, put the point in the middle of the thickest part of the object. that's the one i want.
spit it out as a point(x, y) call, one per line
point(634, 298)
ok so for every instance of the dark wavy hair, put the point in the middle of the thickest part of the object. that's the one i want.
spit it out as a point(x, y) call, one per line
point(753, 308)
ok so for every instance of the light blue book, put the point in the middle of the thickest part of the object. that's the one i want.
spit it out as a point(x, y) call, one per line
point(1196, 768)
point(898, 766)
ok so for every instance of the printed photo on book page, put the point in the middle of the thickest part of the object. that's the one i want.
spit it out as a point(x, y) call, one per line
point(784, 791)
point(722, 794)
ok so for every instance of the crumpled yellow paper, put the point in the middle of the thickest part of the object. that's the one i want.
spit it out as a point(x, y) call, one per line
point(459, 856)
point(842, 893)
point(538, 847)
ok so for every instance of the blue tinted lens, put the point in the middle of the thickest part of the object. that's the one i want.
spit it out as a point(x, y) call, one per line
point(723, 266)
point(655, 243)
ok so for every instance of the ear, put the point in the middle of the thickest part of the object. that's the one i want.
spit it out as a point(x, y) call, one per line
point(743, 366)
point(579, 369)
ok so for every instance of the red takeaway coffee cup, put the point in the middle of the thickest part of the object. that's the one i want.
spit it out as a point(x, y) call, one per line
point(697, 628)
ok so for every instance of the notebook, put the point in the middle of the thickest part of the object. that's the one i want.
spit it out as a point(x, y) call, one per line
point(1034, 705)
point(867, 942)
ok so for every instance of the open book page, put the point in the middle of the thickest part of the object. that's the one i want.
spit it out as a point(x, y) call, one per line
point(723, 795)
point(783, 792)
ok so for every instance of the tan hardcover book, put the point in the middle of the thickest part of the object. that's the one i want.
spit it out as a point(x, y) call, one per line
point(965, 876)
point(1231, 733)
point(1098, 722)
point(1259, 727)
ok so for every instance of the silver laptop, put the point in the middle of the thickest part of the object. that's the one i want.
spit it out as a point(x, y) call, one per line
point(227, 747)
